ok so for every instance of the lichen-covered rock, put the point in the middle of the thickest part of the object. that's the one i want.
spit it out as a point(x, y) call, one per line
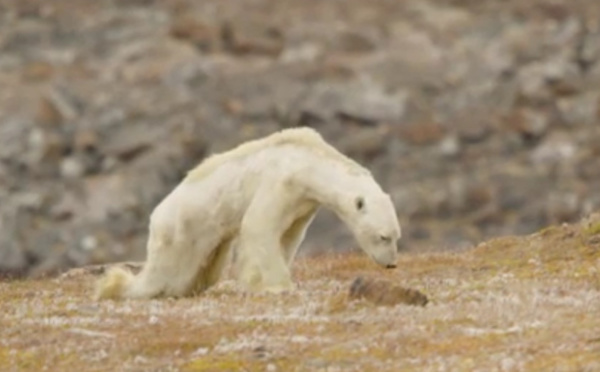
point(385, 293)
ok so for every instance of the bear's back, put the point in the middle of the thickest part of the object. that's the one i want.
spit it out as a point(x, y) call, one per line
point(302, 136)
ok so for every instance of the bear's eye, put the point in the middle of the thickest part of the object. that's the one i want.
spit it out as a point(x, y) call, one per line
point(385, 238)
point(360, 203)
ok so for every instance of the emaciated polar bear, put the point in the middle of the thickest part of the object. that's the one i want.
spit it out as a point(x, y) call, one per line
point(262, 196)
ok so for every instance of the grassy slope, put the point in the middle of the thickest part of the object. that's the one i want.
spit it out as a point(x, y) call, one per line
point(530, 303)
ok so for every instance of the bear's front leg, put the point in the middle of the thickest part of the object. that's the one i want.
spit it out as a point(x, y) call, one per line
point(264, 272)
point(262, 266)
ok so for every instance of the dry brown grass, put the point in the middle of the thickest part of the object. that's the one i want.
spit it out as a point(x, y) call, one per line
point(511, 304)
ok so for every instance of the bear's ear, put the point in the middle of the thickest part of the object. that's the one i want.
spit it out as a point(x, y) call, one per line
point(359, 202)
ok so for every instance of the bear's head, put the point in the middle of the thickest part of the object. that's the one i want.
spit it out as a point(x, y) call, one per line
point(374, 223)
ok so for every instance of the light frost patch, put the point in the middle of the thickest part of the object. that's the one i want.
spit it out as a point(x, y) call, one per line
point(119, 308)
point(244, 342)
point(59, 321)
point(258, 339)
point(282, 317)
point(566, 297)
point(207, 312)
point(90, 333)
point(300, 306)
point(369, 315)
point(475, 331)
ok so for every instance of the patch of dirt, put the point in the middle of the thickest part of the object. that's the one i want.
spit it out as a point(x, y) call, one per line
point(510, 304)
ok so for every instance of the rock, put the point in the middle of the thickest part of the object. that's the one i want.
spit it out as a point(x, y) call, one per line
point(373, 105)
point(556, 149)
point(89, 243)
point(107, 195)
point(514, 192)
point(478, 195)
point(46, 146)
point(306, 52)
point(422, 133)
point(590, 50)
point(192, 144)
point(385, 293)
point(532, 83)
point(528, 123)
point(354, 42)
point(3, 175)
point(192, 30)
point(364, 142)
point(47, 113)
point(443, 19)
point(364, 103)
point(56, 107)
point(410, 49)
point(71, 168)
point(86, 140)
point(423, 200)
point(260, 352)
point(162, 61)
point(457, 239)
point(540, 81)
point(533, 219)
point(473, 132)
point(589, 168)
point(37, 71)
point(233, 106)
point(28, 200)
point(449, 147)
point(13, 260)
point(582, 109)
point(131, 141)
point(250, 38)
point(78, 257)
point(563, 207)
point(50, 267)
point(66, 207)
point(14, 136)
point(332, 69)
point(419, 233)
point(487, 218)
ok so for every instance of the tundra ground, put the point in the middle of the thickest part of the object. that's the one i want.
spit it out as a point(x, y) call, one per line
point(510, 304)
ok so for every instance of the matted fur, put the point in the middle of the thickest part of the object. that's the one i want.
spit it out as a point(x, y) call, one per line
point(302, 136)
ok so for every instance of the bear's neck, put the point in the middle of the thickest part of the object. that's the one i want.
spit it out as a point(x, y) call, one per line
point(331, 184)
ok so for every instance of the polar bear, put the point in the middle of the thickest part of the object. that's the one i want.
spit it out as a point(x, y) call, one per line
point(261, 196)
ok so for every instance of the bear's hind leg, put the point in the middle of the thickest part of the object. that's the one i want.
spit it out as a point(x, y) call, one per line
point(164, 278)
point(175, 256)
point(154, 276)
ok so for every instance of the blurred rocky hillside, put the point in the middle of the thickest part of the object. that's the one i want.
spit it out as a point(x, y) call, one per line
point(480, 117)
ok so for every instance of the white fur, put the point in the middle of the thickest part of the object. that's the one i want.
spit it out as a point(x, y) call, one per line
point(262, 195)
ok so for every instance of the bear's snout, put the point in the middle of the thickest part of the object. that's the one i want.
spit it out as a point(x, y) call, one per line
point(386, 259)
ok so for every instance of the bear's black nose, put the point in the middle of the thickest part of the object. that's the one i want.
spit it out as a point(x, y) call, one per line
point(390, 266)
